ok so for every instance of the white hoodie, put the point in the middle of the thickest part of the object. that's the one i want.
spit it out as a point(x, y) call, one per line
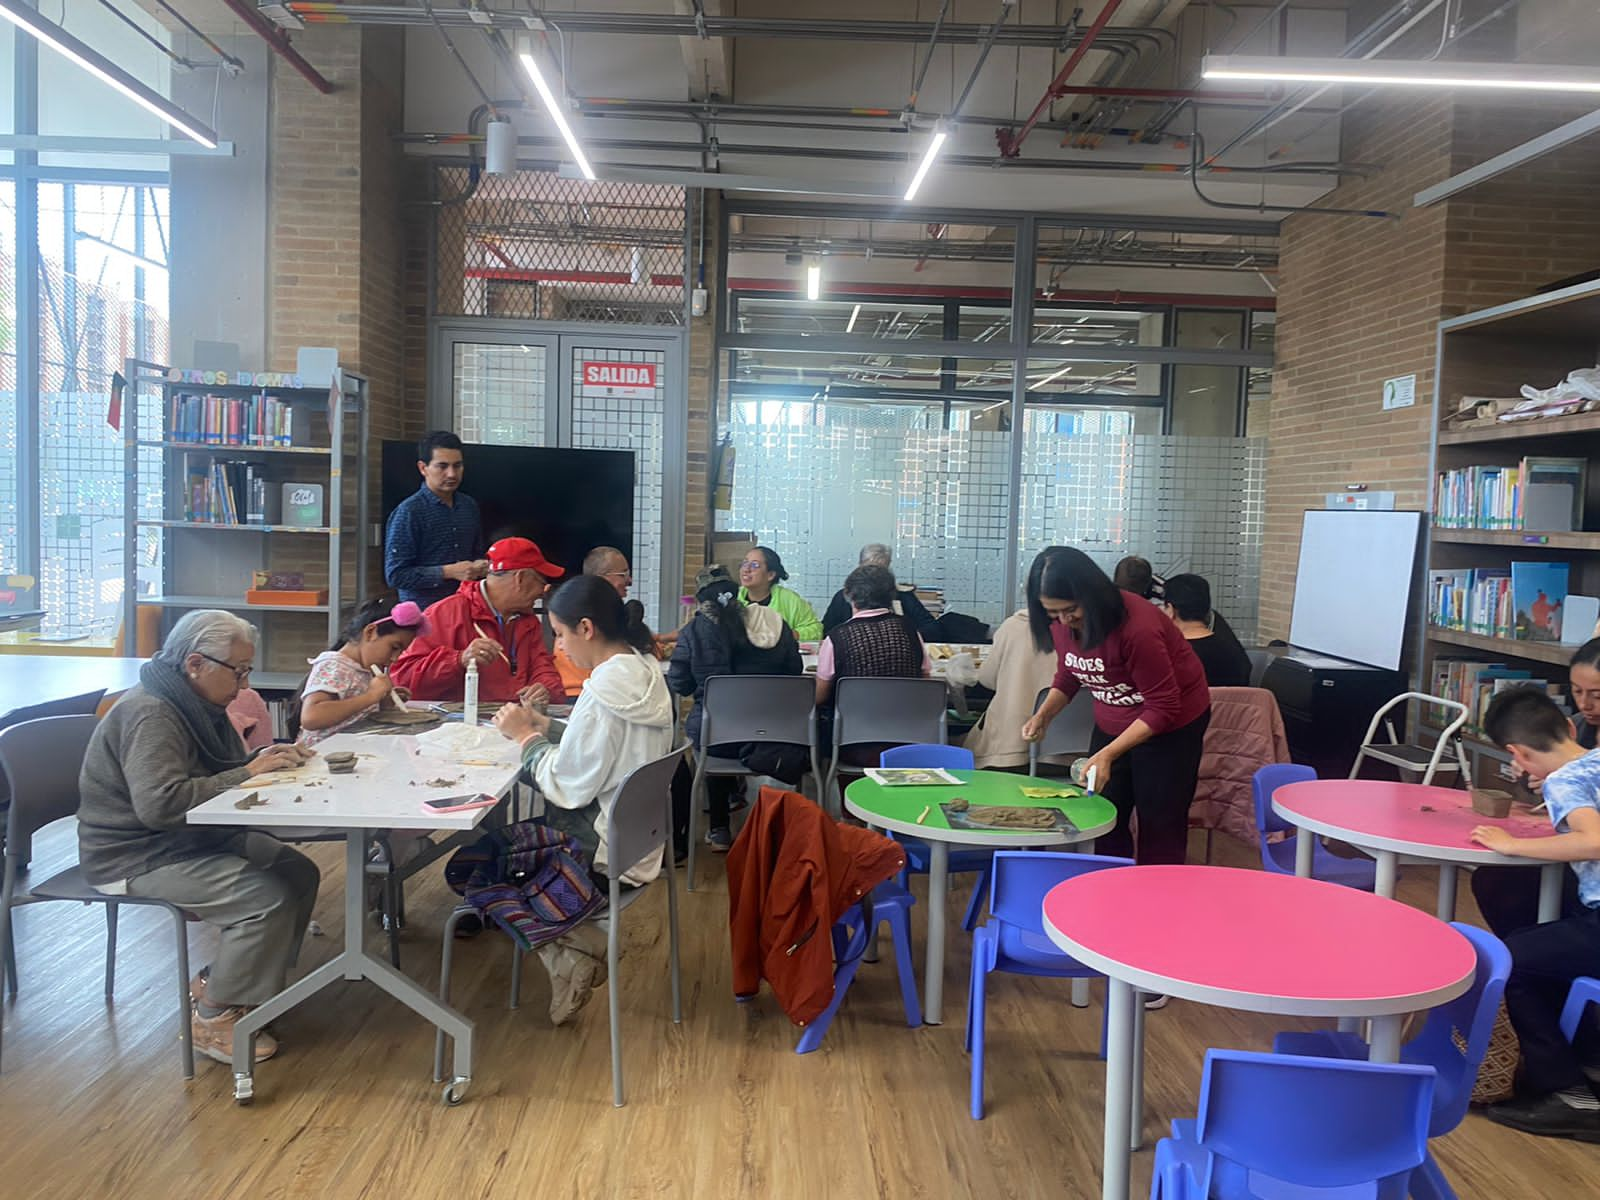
point(762, 625)
point(622, 720)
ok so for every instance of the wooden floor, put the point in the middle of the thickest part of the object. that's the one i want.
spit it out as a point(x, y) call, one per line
point(92, 1102)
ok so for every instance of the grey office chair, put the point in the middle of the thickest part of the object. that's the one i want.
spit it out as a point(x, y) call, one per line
point(72, 706)
point(870, 709)
point(1068, 734)
point(1260, 659)
point(749, 708)
point(41, 760)
point(640, 824)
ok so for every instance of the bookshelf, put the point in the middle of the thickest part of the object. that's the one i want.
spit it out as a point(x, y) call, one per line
point(1491, 353)
point(215, 462)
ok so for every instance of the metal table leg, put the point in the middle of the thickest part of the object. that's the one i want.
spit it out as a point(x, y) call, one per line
point(1121, 1068)
point(353, 962)
point(938, 901)
point(1305, 848)
point(1448, 877)
point(1388, 873)
point(1550, 880)
point(1385, 1044)
point(1136, 1083)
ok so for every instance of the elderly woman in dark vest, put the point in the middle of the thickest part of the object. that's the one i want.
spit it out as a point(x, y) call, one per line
point(167, 747)
point(874, 641)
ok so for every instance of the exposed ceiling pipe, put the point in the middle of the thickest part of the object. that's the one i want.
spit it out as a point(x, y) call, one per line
point(927, 59)
point(1011, 143)
point(279, 42)
point(959, 291)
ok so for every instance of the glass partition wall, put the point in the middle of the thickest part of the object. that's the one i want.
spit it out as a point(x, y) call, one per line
point(1117, 425)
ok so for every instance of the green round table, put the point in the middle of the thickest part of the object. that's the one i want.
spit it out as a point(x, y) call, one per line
point(896, 809)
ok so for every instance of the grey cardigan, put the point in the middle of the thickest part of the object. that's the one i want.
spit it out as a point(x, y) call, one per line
point(141, 776)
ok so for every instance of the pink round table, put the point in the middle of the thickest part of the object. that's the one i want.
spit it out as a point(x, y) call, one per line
point(1392, 821)
point(1245, 940)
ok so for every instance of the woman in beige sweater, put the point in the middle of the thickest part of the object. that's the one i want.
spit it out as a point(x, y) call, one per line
point(1017, 671)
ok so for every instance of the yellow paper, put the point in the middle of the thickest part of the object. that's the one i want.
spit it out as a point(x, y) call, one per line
point(1046, 793)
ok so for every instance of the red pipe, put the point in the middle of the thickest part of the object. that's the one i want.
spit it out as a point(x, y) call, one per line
point(956, 291)
point(275, 37)
point(1011, 143)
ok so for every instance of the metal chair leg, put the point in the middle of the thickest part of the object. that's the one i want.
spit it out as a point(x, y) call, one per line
point(185, 1027)
point(613, 992)
point(516, 977)
point(111, 950)
point(696, 791)
point(672, 927)
point(446, 954)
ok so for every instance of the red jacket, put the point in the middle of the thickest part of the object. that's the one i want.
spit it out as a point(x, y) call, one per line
point(431, 666)
point(1144, 669)
point(792, 873)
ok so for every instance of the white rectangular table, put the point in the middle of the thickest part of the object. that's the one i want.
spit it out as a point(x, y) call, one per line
point(385, 792)
point(27, 679)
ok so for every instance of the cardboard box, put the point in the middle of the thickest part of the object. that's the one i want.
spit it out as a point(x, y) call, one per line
point(305, 599)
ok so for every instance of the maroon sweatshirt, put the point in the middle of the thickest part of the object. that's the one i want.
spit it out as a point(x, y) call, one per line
point(1143, 670)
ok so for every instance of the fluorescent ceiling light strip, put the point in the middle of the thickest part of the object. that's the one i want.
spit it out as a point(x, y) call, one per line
point(1406, 73)
point(556, 115)
point(103, 69)
point(855, 312)
point(928, 155)
point(1051, 378)
point(814, 281)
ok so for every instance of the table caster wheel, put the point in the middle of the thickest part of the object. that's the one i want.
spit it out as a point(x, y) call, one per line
point(455, 1091)
point(244, 1090)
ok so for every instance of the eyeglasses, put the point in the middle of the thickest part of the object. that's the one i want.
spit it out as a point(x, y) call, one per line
point(617, 574)
point(752, 564)
point(239, 673)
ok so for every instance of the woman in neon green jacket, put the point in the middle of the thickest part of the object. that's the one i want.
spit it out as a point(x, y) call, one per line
point(760, 578)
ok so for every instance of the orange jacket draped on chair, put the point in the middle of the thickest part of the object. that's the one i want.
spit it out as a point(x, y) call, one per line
point(1245, 734)
point(792, 873)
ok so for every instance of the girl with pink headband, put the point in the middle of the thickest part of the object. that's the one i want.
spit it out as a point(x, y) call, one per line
point(349, 679)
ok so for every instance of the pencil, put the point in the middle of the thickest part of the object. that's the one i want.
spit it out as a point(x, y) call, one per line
point(395, 699)
point(923, 815)
point(497, 648)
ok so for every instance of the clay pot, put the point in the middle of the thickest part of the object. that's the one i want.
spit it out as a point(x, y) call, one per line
point(1491, 802)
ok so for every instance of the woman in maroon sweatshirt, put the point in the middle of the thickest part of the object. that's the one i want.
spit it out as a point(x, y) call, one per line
point(1151, 702)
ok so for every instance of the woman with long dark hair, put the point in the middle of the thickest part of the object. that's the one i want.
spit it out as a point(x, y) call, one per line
point(1151, 702)
point(728, 638)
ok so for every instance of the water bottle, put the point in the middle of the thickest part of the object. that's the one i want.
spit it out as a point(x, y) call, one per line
point(469, 709)
point(1081, 775)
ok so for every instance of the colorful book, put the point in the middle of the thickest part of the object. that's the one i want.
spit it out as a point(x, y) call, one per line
point(911, 777)
point(1539, 591)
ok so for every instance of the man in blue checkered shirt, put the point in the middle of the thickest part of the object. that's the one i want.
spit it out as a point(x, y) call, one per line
point(434, 540)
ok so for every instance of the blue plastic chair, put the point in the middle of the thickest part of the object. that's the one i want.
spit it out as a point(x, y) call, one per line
point(1584, 992)
point(1278, 857)
point(1271, 1125)
point(852, 934)
point(1469, 1017)
point(1013, 938)
point(963, 860)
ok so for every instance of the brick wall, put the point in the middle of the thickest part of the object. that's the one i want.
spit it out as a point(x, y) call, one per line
point(702, 391)
point(1360, 300)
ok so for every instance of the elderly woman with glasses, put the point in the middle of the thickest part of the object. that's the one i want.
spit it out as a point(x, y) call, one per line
point(166, 747)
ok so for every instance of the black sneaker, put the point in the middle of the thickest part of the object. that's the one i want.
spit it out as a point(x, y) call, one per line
point(719, 839)
point(1548, 1116)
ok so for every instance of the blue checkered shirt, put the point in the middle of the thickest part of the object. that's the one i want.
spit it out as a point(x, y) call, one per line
point(424, 534)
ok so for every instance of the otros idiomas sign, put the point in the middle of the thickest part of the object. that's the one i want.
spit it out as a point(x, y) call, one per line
point(621, 378)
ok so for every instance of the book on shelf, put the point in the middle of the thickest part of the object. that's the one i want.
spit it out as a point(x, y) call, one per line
point(225, 492)
point(259, 420)
point(1474, 684)
point(1539, 591)
point(1476, 600)
point(1539, 493)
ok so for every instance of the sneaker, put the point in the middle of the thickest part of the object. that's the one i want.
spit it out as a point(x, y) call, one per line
point(213, 1036)
point(1548, 1116)
point(197, 986)
point(719, 839)
point(1152, 1003)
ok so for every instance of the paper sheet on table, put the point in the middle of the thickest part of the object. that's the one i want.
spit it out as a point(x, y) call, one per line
point(463, 741)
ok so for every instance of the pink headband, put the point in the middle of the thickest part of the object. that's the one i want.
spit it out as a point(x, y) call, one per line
point(408, 615)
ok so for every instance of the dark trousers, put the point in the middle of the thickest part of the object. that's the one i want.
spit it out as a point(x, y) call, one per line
point(1156, 779)
point(1545, 959)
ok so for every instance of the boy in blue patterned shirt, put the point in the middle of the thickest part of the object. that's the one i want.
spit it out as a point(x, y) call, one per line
point(1556, 1097)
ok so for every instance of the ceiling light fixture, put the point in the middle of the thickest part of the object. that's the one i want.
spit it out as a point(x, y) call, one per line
point(850, 326)
point(814, 279)
point(1402, 72)
point(1050, 378)
point(554, 109)
point(940, 133)
point(103, 69)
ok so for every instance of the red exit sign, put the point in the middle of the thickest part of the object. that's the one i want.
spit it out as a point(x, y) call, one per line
point(621, 378)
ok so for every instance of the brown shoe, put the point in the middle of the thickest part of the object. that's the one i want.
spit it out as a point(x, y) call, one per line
point(213, 1036)
point(197, 986)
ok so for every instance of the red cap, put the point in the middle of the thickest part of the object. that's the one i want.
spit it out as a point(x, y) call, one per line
point(519, 554)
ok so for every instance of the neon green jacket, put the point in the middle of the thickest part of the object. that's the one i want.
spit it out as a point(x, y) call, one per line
point(797, 614)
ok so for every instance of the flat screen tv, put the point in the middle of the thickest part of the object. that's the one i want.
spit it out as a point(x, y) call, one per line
point(1354, 583)
point(568, 501)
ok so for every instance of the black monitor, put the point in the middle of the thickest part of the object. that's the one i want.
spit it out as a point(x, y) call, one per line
point(568, 501)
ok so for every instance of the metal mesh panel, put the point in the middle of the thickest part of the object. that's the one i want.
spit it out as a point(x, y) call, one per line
point(611, 418)
point(9, 449)
point(536, 246)
point(500, 393)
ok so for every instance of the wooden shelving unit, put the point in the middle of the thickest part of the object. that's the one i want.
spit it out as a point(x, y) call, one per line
point(1537, 340)
point(204, 564)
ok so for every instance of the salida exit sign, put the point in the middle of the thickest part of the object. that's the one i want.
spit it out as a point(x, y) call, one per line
point(621, 378)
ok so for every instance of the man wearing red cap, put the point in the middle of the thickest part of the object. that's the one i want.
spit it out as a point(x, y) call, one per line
point(489, 622)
